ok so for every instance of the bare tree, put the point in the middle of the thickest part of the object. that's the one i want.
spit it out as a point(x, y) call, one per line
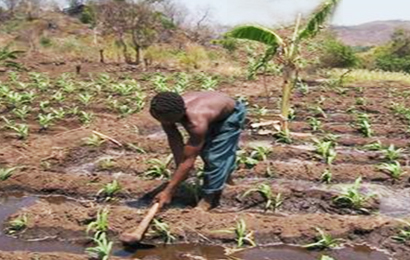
point(137, 19)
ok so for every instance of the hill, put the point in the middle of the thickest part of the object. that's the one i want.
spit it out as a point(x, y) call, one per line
point(369, 34)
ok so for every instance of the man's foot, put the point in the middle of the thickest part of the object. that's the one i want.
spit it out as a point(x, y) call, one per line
point(128, 238)
point(209, 201)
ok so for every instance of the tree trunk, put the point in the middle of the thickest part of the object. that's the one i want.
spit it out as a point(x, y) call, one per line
point(289, 80)
point(138, 54)
point(102, 56)
point(124, 49)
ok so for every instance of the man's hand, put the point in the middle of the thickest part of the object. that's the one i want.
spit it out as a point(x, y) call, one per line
point(163, 198)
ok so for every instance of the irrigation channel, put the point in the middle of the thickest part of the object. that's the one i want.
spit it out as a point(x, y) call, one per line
point(12, 202)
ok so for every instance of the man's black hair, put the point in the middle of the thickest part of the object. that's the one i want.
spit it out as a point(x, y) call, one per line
point(167, 104)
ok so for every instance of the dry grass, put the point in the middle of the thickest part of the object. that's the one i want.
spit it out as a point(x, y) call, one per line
point(362, 75)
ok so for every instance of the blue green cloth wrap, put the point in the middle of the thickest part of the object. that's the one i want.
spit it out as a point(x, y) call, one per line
point(219, 152)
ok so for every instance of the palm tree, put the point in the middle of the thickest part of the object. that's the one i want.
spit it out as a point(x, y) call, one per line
point(286, 48)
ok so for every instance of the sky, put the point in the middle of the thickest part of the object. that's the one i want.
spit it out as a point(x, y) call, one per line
point(273, 12)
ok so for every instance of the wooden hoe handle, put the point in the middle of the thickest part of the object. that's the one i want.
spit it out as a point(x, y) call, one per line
point(136, 235)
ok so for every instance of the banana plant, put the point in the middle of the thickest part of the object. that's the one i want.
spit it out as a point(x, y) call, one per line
point(287, 49)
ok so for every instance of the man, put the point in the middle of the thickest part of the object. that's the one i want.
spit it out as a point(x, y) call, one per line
point(214, 122)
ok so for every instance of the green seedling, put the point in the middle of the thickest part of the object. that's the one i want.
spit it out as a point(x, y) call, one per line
point(86, 118)
point(14, 99)
point(94, 140)
point(124, 89)
point(159, 169)
point(364, 126)
point(283, 137)
point(325, 257)
point(393, 169)
point(45, 121)
point(243, 159)
point(100, 225)
point(21, 130)
point(260, 153)
point(326, 177)
point(272, 202)
point(162, 229)
point(331, 138)
point(109, 190)
point(85, 98)
point(106, 164)
point(352, 197)
point(125, 110)
point(315, 124)
point(58, 96)
point(44, 105)
point(260, 111)
point(69, 87)
point(9, 123)
point(326, 149)
point(391, 153)
point(17, 224)
point(404, 234)
point(292, 114)
point(375, 146)
point(74, 111)
point(209, 83)
point(103, 248)
point(22, 112)
point(6, 173)
point(241, 234)
point(325, 241)
point(58, 114)
point(160, 83)
point(360, 101)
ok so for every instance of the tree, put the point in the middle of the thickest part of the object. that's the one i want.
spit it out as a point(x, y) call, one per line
point(139, 20)
point(395, 56)
point(286, 49)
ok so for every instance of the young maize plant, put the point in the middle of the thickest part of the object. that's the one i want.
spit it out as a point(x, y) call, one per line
point(243, 159)
point(44, 105)
point(109, 190)
point(103, 248)
point(326, 176)
point(360, 101)
point(40, 81)
point(315, 124)
point(283, 136)
point(22, 112)
point(106, 164)
point(100, 225)
point(393, 169)
point(58, 96)
point(352, 197)
point(272, 202)
point(85, 117)
point(21, 130)
point(85, 98)
point(325, 257)
point(325, 241)
point(94, 140)
point(363, 125)
point(404, 234)
point(6, 173)
point(45, 121)
point(209, 83)
point(326, 149)
point(160, 83)
point(242, 236)
point(159, 169)
point(391, 153)
point(162, 229)
point(260, 153)
point(375, 146)
point(260, 111)
point(125, 110)
point(17, 224)
point(292, 114)
point(58, 114)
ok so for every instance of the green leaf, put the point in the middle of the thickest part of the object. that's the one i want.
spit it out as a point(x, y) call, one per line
point(256, 33)
point(315, 24)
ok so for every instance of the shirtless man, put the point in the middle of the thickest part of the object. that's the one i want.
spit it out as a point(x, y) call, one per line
point(213, 121)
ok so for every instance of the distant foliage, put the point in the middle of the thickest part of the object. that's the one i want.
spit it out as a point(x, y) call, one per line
point(395, 56)
point(335, 54)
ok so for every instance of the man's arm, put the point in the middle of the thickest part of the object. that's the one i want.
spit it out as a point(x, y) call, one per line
point(175, 141)
point(190, 151)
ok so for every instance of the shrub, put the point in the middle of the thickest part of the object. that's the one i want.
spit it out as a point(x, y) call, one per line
point(335, 54)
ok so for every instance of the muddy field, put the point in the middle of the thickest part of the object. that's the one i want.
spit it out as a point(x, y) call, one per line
point(57, 178)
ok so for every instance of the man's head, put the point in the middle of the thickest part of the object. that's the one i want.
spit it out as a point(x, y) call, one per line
point(167, 107)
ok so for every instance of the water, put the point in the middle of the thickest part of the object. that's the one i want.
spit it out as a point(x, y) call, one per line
point(284, 252)
point(277, 252)
point(11, 203)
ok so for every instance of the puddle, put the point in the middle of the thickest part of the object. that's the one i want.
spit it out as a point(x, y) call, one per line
point(393, 202)
point(277, 252)
point(11, 203)
point(284, 252)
